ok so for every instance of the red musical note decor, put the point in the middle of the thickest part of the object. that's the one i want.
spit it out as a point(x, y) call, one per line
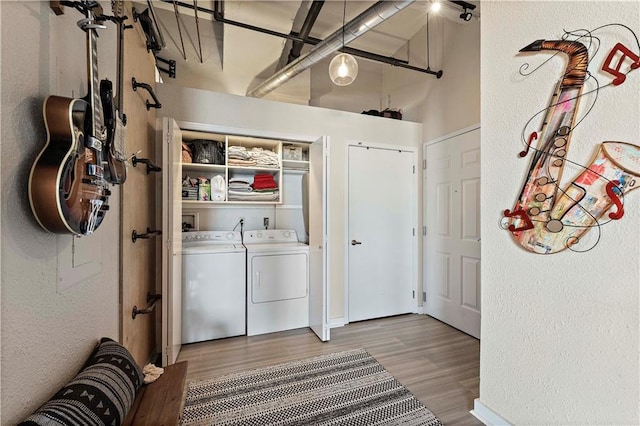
point(626, 52)
point(611, 187)
point(532, 137)
point(522, 215)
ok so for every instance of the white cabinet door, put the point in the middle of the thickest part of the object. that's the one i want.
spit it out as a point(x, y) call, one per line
point(381, 232)
point(452, 241)
point(171, 241)
point(318, 235)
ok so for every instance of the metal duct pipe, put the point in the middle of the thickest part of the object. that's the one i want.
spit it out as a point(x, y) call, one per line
point(379, 12)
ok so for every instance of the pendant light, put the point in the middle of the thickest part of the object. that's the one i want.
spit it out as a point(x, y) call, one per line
point(343, 68)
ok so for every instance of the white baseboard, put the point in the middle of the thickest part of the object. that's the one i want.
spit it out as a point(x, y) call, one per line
point(336, 322)
point(487, 415)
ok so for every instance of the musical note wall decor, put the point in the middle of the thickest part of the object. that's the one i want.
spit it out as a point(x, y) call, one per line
point(546, 218)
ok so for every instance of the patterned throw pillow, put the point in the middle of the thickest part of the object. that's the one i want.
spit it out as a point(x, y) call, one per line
point(101, 393)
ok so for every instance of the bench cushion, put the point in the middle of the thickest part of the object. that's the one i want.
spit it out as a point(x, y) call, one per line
point(101, 393)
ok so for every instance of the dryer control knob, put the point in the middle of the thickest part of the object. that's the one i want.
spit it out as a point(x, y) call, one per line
point(286, 234)
point(259, 235)
point(229, 235)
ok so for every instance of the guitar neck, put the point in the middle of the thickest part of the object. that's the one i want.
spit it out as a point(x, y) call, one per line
point(118, 10)
point(97, 123)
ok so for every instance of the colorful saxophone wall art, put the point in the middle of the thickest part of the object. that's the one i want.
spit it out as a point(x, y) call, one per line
point(546, 218)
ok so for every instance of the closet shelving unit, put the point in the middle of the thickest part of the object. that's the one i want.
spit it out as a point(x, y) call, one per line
point(229, 171)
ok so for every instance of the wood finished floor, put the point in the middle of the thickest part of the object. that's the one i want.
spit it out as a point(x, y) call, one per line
point(437, 363)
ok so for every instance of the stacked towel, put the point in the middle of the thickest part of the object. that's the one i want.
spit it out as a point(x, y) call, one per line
point(239, 185)
point(239, 156)
point(239, 162)
point(255, 157)
point(264, 157)
point(263, 182)
point(263, 188)
point(238, 152)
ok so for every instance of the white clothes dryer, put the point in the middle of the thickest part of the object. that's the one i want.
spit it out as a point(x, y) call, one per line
point(277, 281)
point(213, 285)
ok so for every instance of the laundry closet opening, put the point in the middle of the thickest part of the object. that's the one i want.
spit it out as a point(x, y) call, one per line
point(247, 206)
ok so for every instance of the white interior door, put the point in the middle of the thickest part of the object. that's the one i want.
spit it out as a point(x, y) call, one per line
point(381, 230)
point(452, 240)
point(318, 236)
point(171, 241)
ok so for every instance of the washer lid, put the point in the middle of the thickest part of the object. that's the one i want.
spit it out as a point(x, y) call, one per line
point(277, 247)
point(207, 248)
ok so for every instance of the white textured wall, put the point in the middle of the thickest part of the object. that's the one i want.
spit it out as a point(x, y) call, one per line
point(452, 102)
point(46, 333)
point(199, 106)
point(559, 332)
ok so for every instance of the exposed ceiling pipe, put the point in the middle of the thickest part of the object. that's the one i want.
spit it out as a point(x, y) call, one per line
point(361, 53)
point(312, 15)
point(379, 12)
point(218, 16)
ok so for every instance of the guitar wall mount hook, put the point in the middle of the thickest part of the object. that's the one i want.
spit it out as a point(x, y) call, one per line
point(151, 167)
point(149, 89)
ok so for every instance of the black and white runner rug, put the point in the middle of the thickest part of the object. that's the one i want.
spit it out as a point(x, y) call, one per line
point(344, 388)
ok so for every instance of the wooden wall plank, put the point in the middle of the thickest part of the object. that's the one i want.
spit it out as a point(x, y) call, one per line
point(138, 201)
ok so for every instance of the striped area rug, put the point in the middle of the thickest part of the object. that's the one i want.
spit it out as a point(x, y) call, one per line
point(344, 388)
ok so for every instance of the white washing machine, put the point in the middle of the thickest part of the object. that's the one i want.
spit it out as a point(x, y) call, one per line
point(277, 281)
point(213, 285)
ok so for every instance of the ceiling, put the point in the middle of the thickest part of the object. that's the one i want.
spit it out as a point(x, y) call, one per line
point(228, 58)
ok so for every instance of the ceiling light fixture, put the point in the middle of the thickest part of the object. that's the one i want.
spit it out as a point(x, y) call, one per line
point(466, 15)
point(343, 68)
point(436, 6)
point(467, 9)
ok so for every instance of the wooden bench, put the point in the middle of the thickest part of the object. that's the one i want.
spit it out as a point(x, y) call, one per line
point(160, 403)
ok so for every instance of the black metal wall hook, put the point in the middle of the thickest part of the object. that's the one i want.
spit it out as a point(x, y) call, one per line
point(172, 66)
point(150, 233)
point(149, 89)
point(151, 299)
point(151, 166)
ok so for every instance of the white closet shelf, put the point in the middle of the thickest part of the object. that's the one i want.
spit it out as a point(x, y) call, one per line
point(211, 204)
point(302, 165)
point(204, 167)
point(254, 168)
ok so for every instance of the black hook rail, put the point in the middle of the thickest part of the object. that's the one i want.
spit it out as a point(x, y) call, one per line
point(151, 166)
point(150, 27)
point(149, 89)
point(152, 299)
point(150, 233)
point(172, 66)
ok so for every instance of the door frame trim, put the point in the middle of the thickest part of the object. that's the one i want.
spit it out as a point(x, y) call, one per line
point(417, 262)
point(450, 135)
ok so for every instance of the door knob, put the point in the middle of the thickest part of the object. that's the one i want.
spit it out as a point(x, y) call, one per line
point(354, 242)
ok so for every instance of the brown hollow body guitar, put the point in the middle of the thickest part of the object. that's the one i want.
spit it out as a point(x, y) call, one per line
point(61, 201)
point(67, 189)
